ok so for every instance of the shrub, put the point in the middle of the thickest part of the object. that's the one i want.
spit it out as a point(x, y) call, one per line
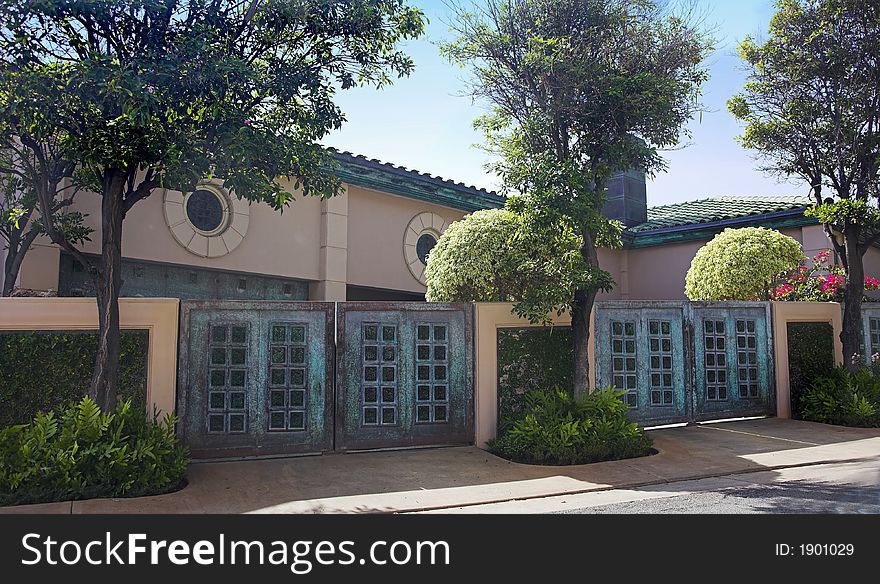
point(741, 264)
point(81, 453)
point(820, 282)
point(495, 256)
point(42, 371)
point(810, 354)
point(530, 359)
point(844, 398)
point(556, 428)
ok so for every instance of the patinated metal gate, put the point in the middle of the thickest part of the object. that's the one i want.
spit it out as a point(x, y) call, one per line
point(734, 360)
point(687, 361)
point(256, 377)
point(306, 377)
point(404, 374)
point(640, 349)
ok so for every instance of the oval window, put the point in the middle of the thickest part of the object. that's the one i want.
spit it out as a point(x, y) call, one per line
point(424, 245)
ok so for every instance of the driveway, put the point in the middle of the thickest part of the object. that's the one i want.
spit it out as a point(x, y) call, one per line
point(442, 478)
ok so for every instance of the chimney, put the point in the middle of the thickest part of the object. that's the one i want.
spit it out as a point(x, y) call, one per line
point(626, 198)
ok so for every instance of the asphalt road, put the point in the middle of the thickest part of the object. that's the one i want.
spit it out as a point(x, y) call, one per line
point(852, 487)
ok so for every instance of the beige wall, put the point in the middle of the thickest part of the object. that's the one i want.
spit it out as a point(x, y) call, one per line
point(657, 273)
point(614, 262)
point(277, 243)
point(376, 227)
point(39, 270)
point(157, 315)
point(355, 238)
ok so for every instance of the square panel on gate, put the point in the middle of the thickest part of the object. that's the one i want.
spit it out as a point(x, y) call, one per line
point(660, 362)
point(432, 373)
point(715, 355)
point(288, 377)
point(227, 378)
point(623, 360)
point(378, 383)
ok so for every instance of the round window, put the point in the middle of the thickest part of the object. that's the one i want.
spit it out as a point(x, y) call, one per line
point(205, 210)
point(424, 245)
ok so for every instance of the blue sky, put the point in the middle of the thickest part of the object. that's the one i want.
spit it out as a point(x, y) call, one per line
point(422, 122)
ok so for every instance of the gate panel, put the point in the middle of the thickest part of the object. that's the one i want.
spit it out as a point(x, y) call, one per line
point(733, 358)
point(640, 348)
point(256, 377)
point(404, 375)
point(870, 331)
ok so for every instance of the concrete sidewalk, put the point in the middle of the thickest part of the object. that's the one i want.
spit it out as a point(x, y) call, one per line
point(418, 480)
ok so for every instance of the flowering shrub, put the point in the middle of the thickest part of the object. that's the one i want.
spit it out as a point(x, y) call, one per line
point(820, 282)
point(741, 264)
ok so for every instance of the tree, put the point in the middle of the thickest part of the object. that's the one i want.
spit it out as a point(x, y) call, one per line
point(579, 89)
point(741, 264)
point(489, 256)
point(811, 108)
point(20, 224)
point(161, 93)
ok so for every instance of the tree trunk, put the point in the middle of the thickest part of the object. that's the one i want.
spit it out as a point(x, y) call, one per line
point(107, 285)
point(851, 334)
point(580, 320)
point(10, 271)
point(14, 258)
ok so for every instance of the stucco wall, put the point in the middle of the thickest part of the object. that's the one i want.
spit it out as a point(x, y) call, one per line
point(657, 273)
point(613, 261)
point(377, 223)
point(39, 270)
point(283, 244)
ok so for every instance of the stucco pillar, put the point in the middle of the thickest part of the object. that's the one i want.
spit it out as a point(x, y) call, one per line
point(333, 251)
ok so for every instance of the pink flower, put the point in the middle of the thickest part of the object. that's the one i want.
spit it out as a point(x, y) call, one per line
point(151, 89)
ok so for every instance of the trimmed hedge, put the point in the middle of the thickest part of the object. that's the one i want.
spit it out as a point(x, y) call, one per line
point(531, 359)
point(41, 371)
point(810, 355)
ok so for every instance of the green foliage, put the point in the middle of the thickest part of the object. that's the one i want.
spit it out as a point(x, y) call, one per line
point(846, 212)
point(556, 428)
point(137, 95)
point(41, 371)
point(578, 90)
point(492, 256)
point(809, 103)
point(810, 355)
point(169, 92)
point(810, 110)
point(844, 397)
point(530, 359)
point(741, 264)
point(81, 453)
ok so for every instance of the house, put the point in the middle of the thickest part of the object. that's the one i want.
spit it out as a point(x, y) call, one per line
point(370, 242)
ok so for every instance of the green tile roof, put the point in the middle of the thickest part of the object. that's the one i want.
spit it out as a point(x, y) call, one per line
point(382, 176)
point(717, 209)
